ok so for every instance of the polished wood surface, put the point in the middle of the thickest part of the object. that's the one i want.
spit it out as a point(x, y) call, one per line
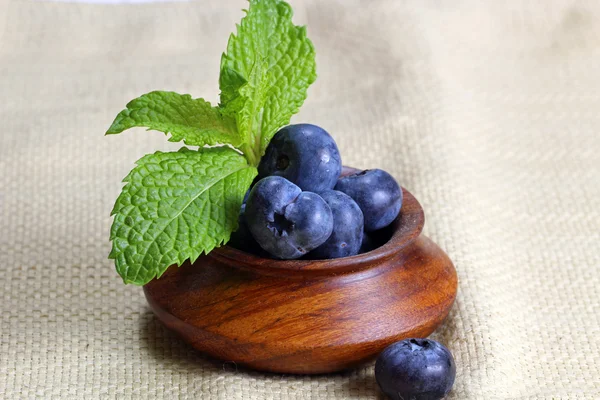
point(310, 316)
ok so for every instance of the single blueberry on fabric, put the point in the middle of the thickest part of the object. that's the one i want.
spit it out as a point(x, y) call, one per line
point(377, 194)
point(417, 369)
point(304, 154)
point(347, 235)
point(285, 221)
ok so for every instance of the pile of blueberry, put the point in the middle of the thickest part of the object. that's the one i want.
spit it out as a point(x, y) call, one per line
point(301, 207)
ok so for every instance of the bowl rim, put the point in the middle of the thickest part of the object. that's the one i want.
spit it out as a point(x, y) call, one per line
point(407, 227)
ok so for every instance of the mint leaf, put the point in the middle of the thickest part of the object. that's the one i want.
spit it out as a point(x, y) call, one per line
point(176, 206)
point(265, 73)
point(194, 121)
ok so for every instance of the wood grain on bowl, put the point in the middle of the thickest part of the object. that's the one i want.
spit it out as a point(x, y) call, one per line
point(310, 317)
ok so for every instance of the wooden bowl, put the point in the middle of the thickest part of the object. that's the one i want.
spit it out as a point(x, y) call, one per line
point(310, 317)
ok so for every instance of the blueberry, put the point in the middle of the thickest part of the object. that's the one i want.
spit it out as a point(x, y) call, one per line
point(304, 154)
point(284, 220)
point(347, 234)
point(377, 194)
point(367, 244)
point(417, 369)
point(242, 239)
point(245, 200)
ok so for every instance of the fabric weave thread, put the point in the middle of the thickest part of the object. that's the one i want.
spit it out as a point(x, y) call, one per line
point(487, 111)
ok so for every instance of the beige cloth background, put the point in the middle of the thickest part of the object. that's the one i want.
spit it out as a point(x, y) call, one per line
point(489, 112)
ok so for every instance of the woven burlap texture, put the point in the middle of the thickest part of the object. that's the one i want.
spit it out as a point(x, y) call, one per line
point(489, 112)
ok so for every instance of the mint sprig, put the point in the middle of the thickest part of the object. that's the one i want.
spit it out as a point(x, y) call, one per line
point(177, 205)
point(193, 121)
point(265, 73)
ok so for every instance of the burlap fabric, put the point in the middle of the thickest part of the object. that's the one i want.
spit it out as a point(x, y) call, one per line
point(489, 112)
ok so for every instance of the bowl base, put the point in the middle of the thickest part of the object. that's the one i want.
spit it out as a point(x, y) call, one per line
point(306, 324)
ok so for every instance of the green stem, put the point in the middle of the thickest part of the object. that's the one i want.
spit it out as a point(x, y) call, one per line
point(251, 156)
